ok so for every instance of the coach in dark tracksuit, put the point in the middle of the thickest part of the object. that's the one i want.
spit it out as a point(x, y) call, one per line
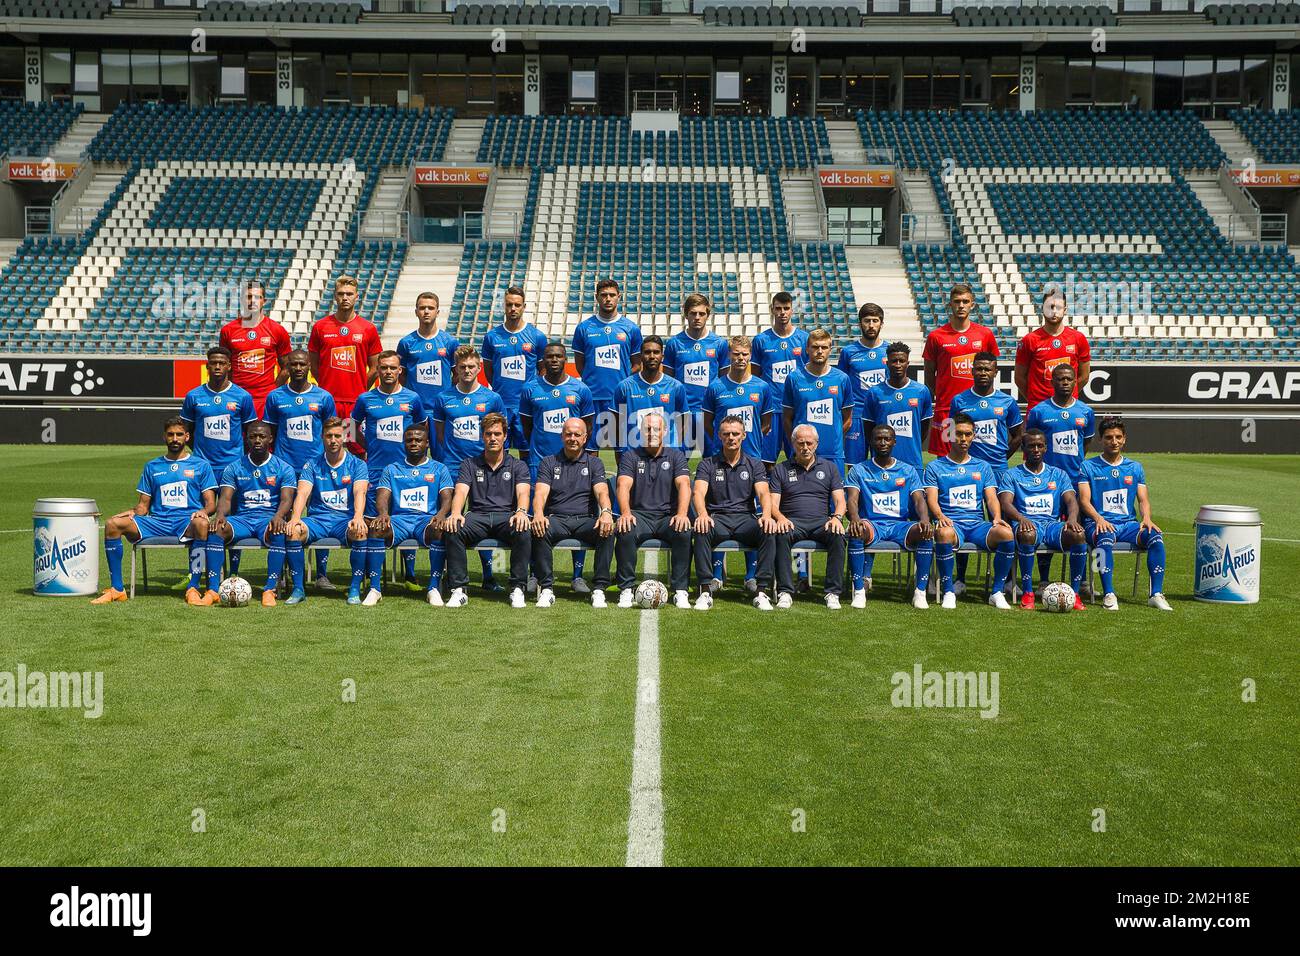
point(497, 488)
point(654, 501)
point(726, 485)
point(808, 504)
point(571, 500)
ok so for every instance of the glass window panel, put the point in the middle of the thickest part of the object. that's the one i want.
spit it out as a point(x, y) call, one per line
point(728, 88)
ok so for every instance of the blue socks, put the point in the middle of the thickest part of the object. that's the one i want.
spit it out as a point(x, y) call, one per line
point(235, 555)
point(485, 558)
point(408, 565)
point(751, 565)
point(858, 563)
point(113, 552)
point(1045, 568)
point(357, 555)
point(1078, 565)
point(1002, 559)
point(216, 555)
point(274, 561)
point(1025, 559)
point(198, 554)
point(376, 549)
point(297, 563)
point(579, 562)
point(944, 552)
point(924, 559)
point(322, 563)
point(437, 561)
point(719, 565)
point(1156, 562)
point(1106, 544)
point(963, 560)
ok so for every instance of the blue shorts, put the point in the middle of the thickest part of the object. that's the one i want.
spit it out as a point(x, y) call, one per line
point(162, 526)
point(1130, 532)
point(252, 525)
point(1049, 532)
point(409, 526)
point(327, 526)
point(894, 532)
point(855, 443)
point(516, 433)
point(976, 532)
point(772, 443)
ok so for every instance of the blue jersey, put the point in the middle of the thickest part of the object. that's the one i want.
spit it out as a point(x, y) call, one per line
point(864, 366)
point(257, 487)
point(905, 410)
point(819, 401)
point(1113, 488)
point(511, 359)
point(175, 488)
point(776, 357)
point(460, 414)
point(331, 485)
point(1067, 428)
point(549, 407)
point(382, 417)
point(427, 363)
point(1036, 496)
point(961, 487)
point(606, 349)
point(635, 398)
point(696, 363)
point(415, 488)
point(217, 421)
point(298, 418)
point(749, 401)
point(994, 415)
point(885, 494)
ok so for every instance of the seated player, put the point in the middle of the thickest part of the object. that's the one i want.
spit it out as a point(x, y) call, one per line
point(571, 500)
point(808, 505)
point(1116, 484)
point(259, 488)
point(726, 486)
point(958, 489)
point(409, 491)
point(495, 487)
point(886, 502)
point(331, 503)
point(654, 501)
point(177, 493)
point(1033, 495)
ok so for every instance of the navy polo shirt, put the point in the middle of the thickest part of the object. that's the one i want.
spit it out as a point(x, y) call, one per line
point(806, 493)
point(571, 483)
point(731, 487)
point(653, 477)
point(492, 489)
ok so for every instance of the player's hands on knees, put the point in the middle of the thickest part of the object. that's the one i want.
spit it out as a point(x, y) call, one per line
point(943, 522)
point(1074, 527)
point(277, 526)
point(382, 525)
point(216, 525)
point(1105, 527)
point(1149, 527)
point(703, 524)
point(357, 529)
point(834, 525)
point(453, 523)
point(626, 522)
point(999, 523)
point(605, 526)
point(925, 529)
point(678, 523)
point(540, 524)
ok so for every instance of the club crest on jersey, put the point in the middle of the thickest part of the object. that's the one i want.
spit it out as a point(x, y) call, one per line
point(984, 403)
point(465, 401)
point(388, 400)
point(786, 346)
point(1064, 415)
point(744, 476)
point(252, 334)
point(820, 475)
point(961, 340)
point(298, 400)
point(1056, 343)
point(665, 466)
point(343, 331)
point(898, 396)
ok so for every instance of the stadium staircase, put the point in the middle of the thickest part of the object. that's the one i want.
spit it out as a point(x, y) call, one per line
point(845, 142)
point(1206, 188)
point(72, 145)
point(75, 217)
point(806, 220)
point(1230, 139)
point(383, 216)
point(928, 223)
point(504, 207)
point(879, 276)
point(429, 267)
point(463, 143)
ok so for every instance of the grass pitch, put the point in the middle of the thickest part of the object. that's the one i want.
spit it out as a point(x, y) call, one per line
point(505, 737)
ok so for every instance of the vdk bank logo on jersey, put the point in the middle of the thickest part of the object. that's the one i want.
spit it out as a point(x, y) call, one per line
point(1225, 570)
point(60, 566)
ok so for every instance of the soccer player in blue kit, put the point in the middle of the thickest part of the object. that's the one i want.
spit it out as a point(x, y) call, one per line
point(331, 503)
point(412, 499)
point(255, 501)
point(427, 355)
point(511, 352)
point(696, 357)
point(863, 361)
point(606, 350)
point(958, 489)
point(886, 502)
point(776, 352)
point(1117, 507)
point(650, 390)
point(1034, 494)
point(177, 493)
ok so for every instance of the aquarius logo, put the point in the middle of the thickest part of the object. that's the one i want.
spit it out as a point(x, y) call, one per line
point(53, 559)
point(1220, 561)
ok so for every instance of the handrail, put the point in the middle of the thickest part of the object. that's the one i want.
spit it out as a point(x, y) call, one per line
point(70, 192)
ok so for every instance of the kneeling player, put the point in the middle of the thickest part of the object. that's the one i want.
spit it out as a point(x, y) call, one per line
point(958, 488)
point(1116, 483)
point(177, 493)
point(1033, 495)
point(887, 503)
point(260, 489)
point(404, 497)
point(332, 491)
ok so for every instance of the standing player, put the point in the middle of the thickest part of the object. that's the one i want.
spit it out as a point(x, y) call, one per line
point(177, 493)
point(457, 420)
point(1034, 495)
point(778, 351)
point(696, 357)
point(998, 427)
point(549, 400)
point(297, 410)
point(260, 489)
point(427, 355)
point(344, 350)
point(331, 503)
point(409, 491)
point(886, 502)
point(511, 352)
point(808, 504)
point(863, 361)
point(1051, 344)
point(949, 355)
point(957, 490)
point(606, 350)
point(257, 344)
point(646, 391)
point(1068, 424)
point(1109, 487)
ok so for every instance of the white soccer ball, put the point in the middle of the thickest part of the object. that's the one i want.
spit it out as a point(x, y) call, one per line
point(651, 595)
point(235, 592)
point(1058, 597)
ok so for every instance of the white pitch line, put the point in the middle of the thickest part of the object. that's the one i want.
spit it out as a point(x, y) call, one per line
point(1190, 534)
point(645, 821)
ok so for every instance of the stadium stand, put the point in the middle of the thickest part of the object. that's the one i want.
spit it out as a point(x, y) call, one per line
point(63, 9)
point(1275, 136)
point(1252, 14)
point(1096, 202)
point(802, 16)
point(235, 11)
point(31, 129)
point(1059, 15)
point(501, 14)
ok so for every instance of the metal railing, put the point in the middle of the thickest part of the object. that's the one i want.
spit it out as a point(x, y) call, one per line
point(1273, 229)
point(654, 101)
point(501, 224)
point(386, 224)
point(37, 221)
point(929, 228)
point(806, 226)
point(64, 205)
